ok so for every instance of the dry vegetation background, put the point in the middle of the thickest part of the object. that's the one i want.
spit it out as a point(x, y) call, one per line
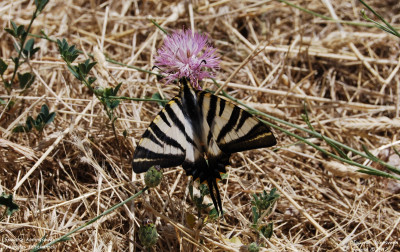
point(347, 75)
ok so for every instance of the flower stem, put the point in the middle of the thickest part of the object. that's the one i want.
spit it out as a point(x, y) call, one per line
point(137, 99)
point(23, 40)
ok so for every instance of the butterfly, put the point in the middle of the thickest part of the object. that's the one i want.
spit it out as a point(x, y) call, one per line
point(199, 131)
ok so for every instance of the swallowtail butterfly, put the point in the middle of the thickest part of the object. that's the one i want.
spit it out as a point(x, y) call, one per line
point(199, 131)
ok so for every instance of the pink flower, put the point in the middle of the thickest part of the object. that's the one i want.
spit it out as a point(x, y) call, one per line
point(187, 54)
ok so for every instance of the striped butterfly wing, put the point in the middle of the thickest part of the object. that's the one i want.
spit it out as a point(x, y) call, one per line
point(165, 140)
point(232, 128)
point(199, 131)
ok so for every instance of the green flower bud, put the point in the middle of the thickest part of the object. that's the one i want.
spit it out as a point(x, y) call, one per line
point(153, 176)
point(99, 90)
point(253, 247)
point(148, 235)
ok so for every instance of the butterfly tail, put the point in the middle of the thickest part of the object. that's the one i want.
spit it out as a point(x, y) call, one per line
point(212, 185)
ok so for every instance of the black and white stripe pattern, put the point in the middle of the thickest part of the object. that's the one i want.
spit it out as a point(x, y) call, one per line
point(196, 126)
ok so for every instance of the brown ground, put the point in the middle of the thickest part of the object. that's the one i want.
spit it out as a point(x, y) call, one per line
point(347, 75)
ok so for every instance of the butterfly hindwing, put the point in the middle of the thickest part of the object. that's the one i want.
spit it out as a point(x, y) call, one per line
point(233, 128)
point(165, 140)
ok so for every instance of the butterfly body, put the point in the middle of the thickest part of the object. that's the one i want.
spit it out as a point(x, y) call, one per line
point(199, 131)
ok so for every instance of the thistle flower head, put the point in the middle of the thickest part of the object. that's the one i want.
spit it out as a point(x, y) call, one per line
point(148, 233)
point(253, 247)
point(187, 54)
point(153, 176)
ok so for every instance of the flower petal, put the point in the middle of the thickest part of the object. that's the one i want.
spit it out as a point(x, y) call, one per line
point(187, 54)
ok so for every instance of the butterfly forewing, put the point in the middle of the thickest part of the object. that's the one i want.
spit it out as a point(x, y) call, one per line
point(165, 141)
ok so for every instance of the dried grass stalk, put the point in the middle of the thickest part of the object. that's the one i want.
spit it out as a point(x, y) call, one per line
point(371, 124)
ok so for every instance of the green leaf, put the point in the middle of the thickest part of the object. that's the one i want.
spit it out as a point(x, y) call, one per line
point(45, 110)
point(87, 66)
point(224, 175)
point(116, 89)
point(65, 44)
point(255, 214)
point(40, 4)
point(20, 129)
point(71, 49)
point(11, 32)
point(39, 126)
point(267, 230)
point(204, 190)
point(28, 47)
point(91, 80)
point(60, 45)
point(74, 71)
point(198, 202)
point(158, 96)
point(114, 104)
point(108, 92)
point(2, 102)
point(124, 133)
point(14, 26)
point(213, 214)
point(50, 118)
point(387, 27)
point(264, 201)
point(33, 51)
point(306, 118)
point(82, 68)
point(39, 122)
point(7, 201)
point(20, 31)
point(3, 66)
point(68, 53)
point(29, 122)
point(25, 80)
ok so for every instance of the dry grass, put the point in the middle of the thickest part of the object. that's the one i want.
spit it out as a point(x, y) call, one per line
point(348, 76)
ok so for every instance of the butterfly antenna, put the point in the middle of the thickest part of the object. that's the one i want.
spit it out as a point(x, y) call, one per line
point(202, 62)
point(162, 71)
point(156, 67)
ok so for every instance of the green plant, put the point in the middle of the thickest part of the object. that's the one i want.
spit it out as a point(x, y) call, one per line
point(262, 205)
point(7, 201)
point(69, 53)
point(148, 234)
point(44, 118)
point(345, 158)
point(25, 50)
point(385, 26)
point(198, 201)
